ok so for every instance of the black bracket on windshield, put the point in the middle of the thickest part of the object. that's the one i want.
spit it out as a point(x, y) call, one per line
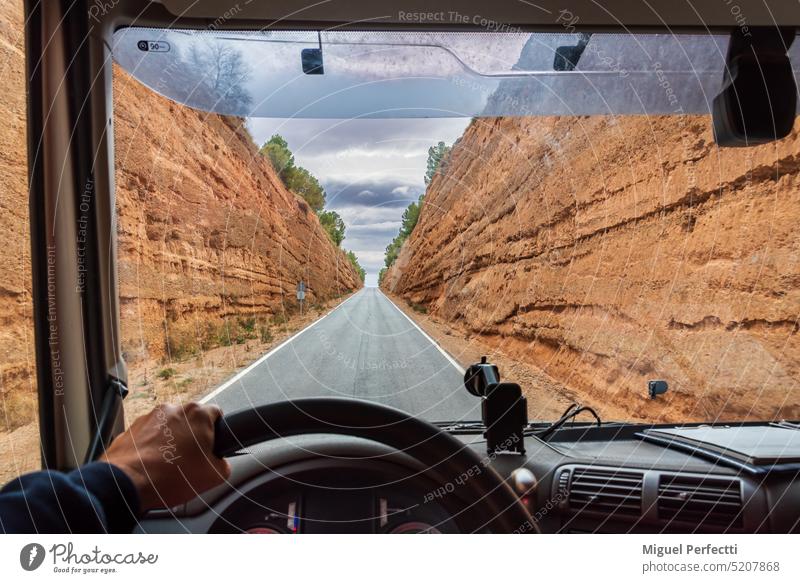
point(567, 57)
point(503, 408)
point(758, 100)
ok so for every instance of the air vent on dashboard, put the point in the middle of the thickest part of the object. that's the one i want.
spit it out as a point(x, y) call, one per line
point(606, 490)
point(699, 500)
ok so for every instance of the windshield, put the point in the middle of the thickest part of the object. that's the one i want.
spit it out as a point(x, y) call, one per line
point(364, 215)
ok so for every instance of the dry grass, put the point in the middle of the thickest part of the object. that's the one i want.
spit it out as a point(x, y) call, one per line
point(19, 407)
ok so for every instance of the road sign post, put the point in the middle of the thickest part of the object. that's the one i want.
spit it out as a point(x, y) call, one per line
point(301, 294)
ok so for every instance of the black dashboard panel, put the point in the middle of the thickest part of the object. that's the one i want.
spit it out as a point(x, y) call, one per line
point(589, 480)
point(673, 490)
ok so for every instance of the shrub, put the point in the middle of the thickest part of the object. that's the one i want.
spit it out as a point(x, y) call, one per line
point(225, 338)
point(247, 329)
point(166, 373)
point(211, 336)
point(19, 407)
point(181, 344)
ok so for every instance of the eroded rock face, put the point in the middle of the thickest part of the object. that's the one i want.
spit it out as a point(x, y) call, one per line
point(610, 252)
point(208, 234)
point(17, 384)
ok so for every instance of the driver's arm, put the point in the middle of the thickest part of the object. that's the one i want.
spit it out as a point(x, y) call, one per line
point(164, 459)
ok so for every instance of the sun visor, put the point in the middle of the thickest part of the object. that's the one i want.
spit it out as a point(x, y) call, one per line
point(346, 74)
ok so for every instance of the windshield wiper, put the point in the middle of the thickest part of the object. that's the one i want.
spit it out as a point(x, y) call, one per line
point(459, 426)
point(571, 412)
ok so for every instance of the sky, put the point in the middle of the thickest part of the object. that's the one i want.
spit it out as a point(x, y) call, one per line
point(371, 170)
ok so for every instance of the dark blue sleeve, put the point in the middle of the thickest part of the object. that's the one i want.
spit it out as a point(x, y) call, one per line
point(95, 498)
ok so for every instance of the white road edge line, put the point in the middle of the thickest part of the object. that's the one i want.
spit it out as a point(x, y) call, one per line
point(260, 361)
point(452, 361)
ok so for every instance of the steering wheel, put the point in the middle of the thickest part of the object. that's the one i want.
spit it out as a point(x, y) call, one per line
point(491, 500)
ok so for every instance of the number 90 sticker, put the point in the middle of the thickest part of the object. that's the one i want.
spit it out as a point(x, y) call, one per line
point(153, 46)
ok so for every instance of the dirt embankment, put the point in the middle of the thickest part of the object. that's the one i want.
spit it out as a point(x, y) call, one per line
point(211, 244)
point(605, 253)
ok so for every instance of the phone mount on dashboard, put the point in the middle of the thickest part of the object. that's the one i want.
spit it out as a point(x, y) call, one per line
point(504, 409)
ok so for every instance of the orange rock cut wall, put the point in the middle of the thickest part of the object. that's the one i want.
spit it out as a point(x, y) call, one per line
point(608, 252)
point(208, 234)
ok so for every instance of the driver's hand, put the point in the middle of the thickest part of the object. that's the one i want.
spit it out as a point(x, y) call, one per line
point(168, 454)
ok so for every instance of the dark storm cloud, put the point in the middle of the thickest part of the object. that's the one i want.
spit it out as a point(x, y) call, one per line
point(385, 193)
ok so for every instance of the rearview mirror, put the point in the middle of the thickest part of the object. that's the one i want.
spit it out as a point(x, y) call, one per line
point(311, 60)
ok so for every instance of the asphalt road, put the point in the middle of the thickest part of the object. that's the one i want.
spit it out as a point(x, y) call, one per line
point(366, 348)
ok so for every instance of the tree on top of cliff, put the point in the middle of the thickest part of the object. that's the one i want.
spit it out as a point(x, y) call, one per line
point(281, 158)
point(393, 250)
point(295, 178)
point(437, 156)
point(409, 221)
point(410, 217)
point(302, 182)
point(362, 273)
point(333, 225)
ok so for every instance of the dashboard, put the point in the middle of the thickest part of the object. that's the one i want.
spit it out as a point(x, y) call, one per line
point(584, 480)
point(351, 496)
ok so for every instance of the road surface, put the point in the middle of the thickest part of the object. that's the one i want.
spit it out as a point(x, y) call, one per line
point(366, 348)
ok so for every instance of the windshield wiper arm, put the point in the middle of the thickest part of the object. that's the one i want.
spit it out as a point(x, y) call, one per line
point(451, 426)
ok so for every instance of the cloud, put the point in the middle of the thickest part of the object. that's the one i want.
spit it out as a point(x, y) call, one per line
point(367, 216)
point(385, 192)
point(385, 225)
